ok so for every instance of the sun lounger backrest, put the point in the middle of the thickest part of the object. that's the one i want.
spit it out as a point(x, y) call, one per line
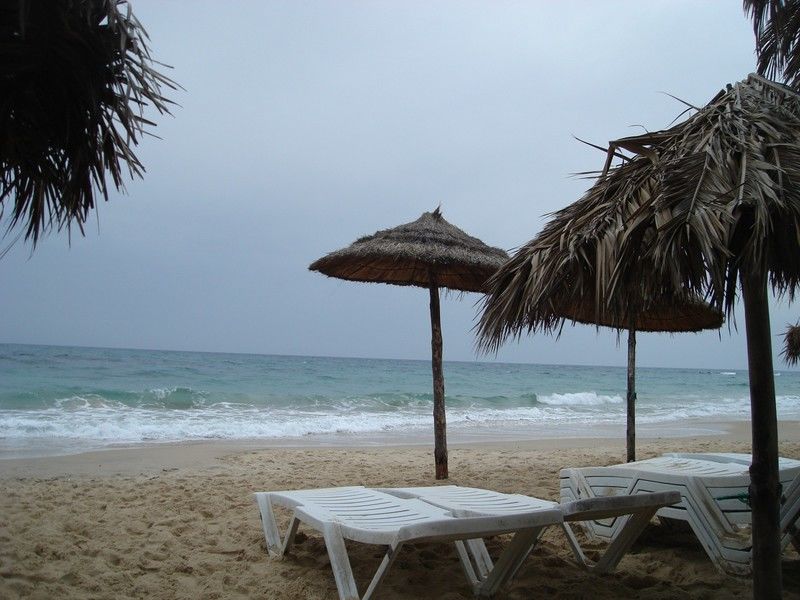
point(636, 511)
point(466, 501)
point(733, 457)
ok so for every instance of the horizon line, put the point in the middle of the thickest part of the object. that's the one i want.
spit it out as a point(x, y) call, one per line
point(382, 358)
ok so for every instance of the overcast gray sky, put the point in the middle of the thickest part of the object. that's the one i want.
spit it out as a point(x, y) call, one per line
point(305, 125)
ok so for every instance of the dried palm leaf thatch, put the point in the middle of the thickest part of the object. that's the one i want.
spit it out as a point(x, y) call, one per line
point(687, 315)
point(564, 272)
point(431, 253)
point(776, 24)
point(791, 350)
point(712, 198)
point(425, 252)
point(76, 78)
point(713, 204)
point(561, 275)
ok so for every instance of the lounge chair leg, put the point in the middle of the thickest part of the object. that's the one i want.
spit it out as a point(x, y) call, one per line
point(577, 551)
point(483, 562)
point(340, 563)
point(466, 564)
point(268, 524)
point(510, 561)
point(388, 558)
point(290, 533)
point(794, 532)
point(474, 557)
point(622, 543)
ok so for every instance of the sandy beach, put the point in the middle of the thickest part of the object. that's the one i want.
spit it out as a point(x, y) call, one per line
point(279, 246)
point(178, 521)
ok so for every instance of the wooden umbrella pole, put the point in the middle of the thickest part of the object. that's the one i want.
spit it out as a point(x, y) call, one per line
point(439, 419)
point(631, 396)
point(765, 489)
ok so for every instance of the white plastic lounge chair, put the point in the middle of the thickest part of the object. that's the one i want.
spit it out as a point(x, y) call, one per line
point(732, 457)
point(636, 512)
point(714, 499)
point(790, 497)
point(375, 517)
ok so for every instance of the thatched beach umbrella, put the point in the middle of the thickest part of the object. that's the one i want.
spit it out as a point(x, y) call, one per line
point(76, 77)
point(791, 339)
point(553, 278)
point(429, 253)
point(715, 204)
point(776, 24)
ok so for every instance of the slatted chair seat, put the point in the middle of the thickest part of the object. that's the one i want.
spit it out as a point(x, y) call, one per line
point(375, 517)
point(634, 513)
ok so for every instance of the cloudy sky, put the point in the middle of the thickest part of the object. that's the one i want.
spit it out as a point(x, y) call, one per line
point(304, 125)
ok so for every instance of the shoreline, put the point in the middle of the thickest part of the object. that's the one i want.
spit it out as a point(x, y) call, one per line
point(154, 458)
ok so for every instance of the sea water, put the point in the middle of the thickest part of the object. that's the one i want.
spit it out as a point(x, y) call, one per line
point(56, 400)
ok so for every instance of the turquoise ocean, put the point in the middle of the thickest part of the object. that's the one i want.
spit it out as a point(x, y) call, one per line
point(58, 400)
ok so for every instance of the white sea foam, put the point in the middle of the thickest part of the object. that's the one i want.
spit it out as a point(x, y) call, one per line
point(104, 422)
point(137, 425)
point(85, 402)
point(75, 420)
point(579, 399)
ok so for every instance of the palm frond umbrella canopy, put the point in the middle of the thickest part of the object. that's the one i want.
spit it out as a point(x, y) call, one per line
point(715, 204)
point(776, 24)
point(429, 253)
point(77, 76)
point(791, 350)
point(554, 278)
